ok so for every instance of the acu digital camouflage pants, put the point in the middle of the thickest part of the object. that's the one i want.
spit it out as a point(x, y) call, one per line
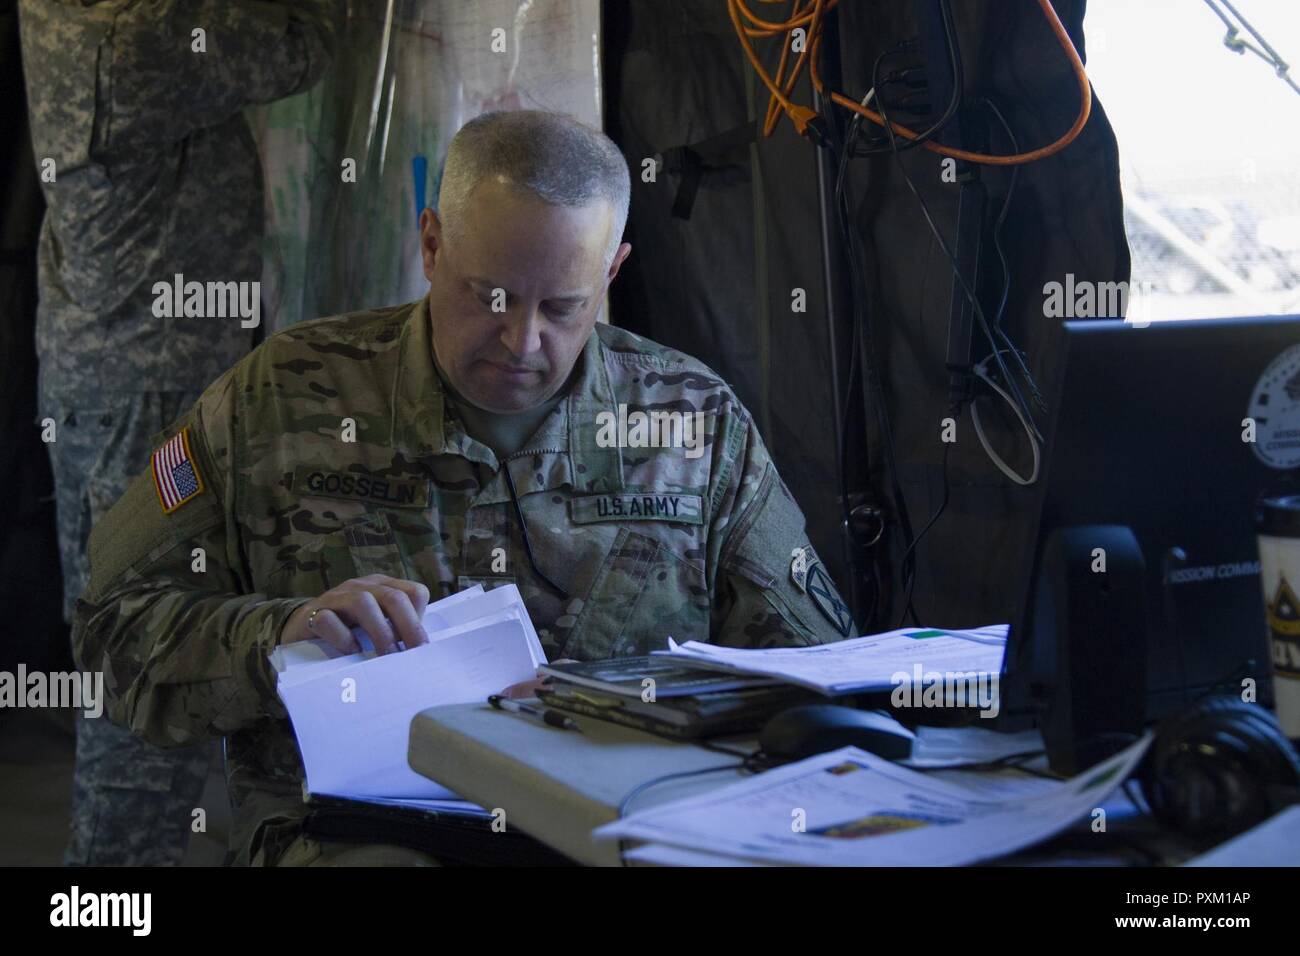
point(132, 803)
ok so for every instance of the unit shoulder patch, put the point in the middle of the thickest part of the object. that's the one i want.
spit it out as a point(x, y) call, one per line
point(822, 591)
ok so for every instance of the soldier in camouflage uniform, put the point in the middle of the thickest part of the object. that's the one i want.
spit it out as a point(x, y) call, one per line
point(149, 170)
point(330, 480)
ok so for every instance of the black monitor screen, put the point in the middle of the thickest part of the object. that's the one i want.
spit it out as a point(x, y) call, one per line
point(1152, 428)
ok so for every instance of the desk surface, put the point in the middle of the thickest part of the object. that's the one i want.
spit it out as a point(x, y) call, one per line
point(557, 785)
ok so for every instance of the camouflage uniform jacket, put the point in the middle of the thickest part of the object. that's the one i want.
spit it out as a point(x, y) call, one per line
point(155, 174)
point(648, 542)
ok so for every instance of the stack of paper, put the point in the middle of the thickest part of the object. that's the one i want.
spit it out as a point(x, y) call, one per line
point(957, 746)
point(851, 808)
point(352, 713)
point(861, 665)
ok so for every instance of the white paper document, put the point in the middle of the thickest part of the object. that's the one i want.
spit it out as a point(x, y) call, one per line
point(851, 808)
point(863, 664)
point(456, 806)
point(351, 713)
point(1275, 842)
point(659, 854)
point(955, 746)
point(460, 608)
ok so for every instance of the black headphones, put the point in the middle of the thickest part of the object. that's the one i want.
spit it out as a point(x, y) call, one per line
point(1219, 768)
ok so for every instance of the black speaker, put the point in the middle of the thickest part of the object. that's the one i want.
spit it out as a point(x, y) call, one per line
point(1089, 628)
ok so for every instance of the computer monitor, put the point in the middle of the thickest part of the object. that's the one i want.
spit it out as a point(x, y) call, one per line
point(1171, 431)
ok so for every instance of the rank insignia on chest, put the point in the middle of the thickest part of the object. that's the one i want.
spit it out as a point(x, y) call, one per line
point(175, 472)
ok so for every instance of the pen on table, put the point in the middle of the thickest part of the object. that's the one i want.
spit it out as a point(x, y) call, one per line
point(552, 717)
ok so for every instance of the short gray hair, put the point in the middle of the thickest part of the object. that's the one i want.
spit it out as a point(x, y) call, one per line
point(554, 156)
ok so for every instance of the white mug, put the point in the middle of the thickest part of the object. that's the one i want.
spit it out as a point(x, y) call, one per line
point(1278, 525)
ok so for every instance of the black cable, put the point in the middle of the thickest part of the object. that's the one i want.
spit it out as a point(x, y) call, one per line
point(864, 353)
point(645, 785)
point(934, 229)
point(519, 512)
point(954, 101)
point(908, 565)
point(1002, 218)
point(523, 528)
point(707, 745)
point(655, 781)
point(908, 554)
point(851, 382)
point(1034, 391)
point(861, 344)
point(834, 130)
point(1006, 761)
point(859, 347)
point(1016, 760)
point(1008, 380)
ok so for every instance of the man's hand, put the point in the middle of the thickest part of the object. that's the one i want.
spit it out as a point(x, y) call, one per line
point(528, 688)
point(388, 609)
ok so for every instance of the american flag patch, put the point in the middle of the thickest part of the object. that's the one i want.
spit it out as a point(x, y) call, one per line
point(175, 474)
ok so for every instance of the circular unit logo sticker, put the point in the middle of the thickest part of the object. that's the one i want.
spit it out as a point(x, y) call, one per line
point(1275, 407)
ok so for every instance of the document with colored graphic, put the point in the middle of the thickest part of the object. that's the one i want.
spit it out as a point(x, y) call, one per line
point(859, 665)
point(851, 808)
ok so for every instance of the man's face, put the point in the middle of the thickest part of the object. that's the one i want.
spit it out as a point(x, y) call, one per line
point(542, 266)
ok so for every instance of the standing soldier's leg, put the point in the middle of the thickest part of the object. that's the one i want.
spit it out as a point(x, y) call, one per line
point(132, 803)
point(304, 851)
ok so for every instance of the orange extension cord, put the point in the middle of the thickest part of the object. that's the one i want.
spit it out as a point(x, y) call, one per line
point(809, 15)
